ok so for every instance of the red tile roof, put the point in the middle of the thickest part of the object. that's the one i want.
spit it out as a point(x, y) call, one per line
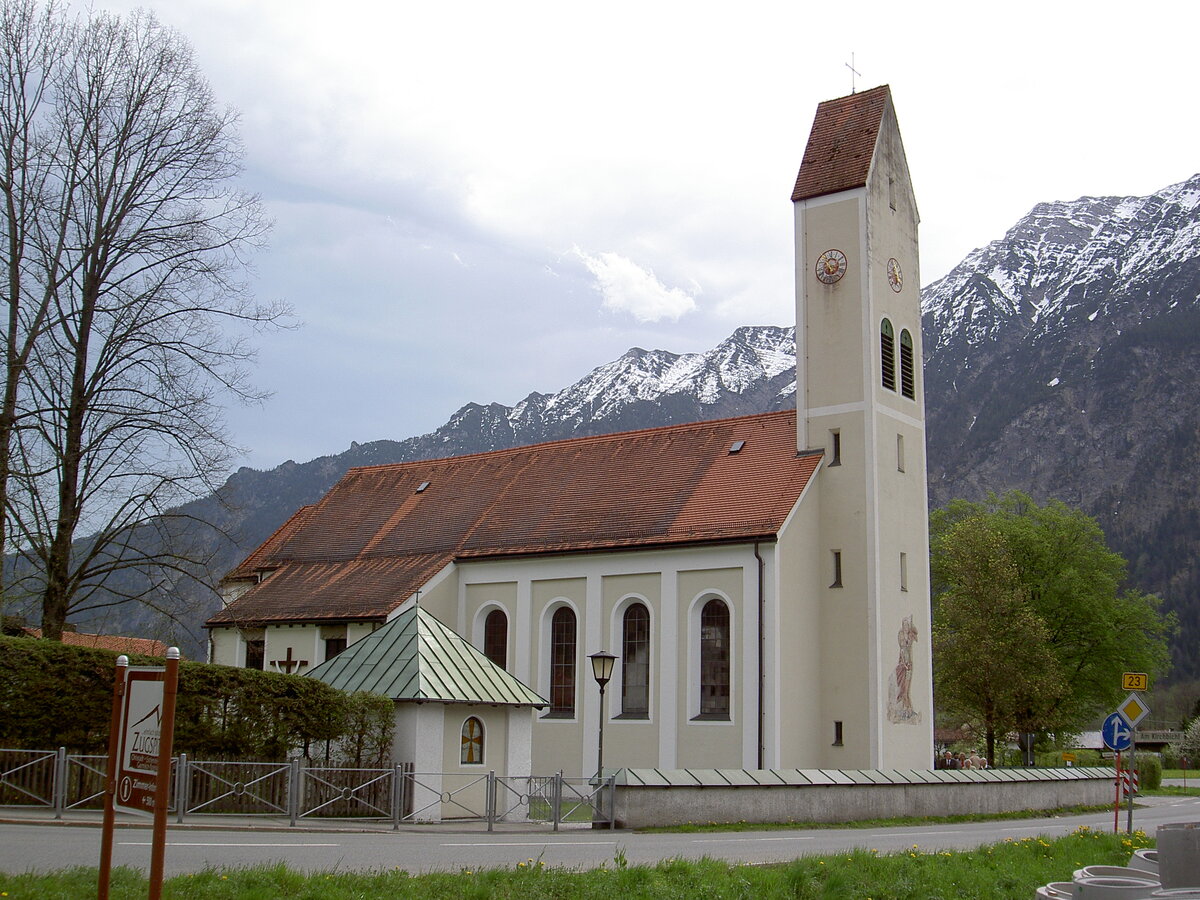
point(375, 537)
point(256, 562)
point(841, 144)
point(115, 643)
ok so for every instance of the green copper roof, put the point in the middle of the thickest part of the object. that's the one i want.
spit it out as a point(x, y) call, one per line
point(415, 657)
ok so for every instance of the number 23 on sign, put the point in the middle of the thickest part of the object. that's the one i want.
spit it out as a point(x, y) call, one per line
point(1134, 681)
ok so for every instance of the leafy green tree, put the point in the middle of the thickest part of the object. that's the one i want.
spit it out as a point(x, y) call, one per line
point(1032, 627)
point(993, 662)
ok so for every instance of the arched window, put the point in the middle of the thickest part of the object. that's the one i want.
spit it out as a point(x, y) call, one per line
point(908, 385)
point(562, 663)
point(495, 637)
point(635, 662)
point(471, 753)
point(714, 660)
point(887, 354)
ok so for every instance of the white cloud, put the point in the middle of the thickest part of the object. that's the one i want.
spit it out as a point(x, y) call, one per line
point(627, 287)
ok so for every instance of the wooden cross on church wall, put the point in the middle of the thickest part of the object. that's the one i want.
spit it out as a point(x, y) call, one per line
point(286, 665)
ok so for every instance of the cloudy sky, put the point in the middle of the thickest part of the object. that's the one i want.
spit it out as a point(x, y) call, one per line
point(473, 201)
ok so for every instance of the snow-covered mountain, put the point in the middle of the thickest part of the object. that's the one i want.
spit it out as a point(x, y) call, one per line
point(751, 370)
point(1115, 261)
point(1062, 359)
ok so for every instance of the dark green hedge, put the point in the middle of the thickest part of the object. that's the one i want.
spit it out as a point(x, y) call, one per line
point(55, 695)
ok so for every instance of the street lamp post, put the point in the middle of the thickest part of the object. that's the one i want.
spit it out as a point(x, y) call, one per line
point(602, 666)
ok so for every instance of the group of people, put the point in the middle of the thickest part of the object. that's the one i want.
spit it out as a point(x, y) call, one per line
point(950, 760)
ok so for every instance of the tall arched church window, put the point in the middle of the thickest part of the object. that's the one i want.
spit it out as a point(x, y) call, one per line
point(887, 354)
point(635, 662)
point(714, 660)
point(495, 637)
point(562, 663)
point(471, 752)
point(908, 385)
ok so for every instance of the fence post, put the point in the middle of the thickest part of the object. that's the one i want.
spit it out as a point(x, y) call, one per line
point(489, 800)
point(294, 789)
point(407, 793)
point(58, 790)
point(181, 788)
point(397, 797)
point(612, 801)
point(556, 799)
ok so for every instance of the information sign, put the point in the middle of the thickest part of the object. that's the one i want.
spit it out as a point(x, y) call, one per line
point(1135, 681)
point(1133, 709)
point(141, 732)
point(1117, 733)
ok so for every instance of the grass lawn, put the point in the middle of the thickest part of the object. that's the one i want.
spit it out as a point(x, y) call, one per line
point(1011, 869)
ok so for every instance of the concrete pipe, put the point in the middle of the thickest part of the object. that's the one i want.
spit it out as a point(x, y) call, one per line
point(1113, 888)
point(1145, 861)
point(1179, 855)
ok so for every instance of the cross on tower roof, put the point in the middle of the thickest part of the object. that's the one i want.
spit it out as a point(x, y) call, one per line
point(853, 72)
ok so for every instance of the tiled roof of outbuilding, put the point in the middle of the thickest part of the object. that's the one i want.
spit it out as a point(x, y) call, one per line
point(378, 536)
point(841, 144)
point(114, 643)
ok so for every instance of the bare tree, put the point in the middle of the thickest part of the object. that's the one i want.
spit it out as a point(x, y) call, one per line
point(138, 243)
point(31, 40)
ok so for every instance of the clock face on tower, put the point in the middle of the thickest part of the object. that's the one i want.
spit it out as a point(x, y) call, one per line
point(831, 266)
point(895, 276)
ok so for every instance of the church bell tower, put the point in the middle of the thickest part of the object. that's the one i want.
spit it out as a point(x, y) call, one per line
point(859, 398)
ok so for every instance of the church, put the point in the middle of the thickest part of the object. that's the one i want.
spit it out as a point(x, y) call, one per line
point(762, 581)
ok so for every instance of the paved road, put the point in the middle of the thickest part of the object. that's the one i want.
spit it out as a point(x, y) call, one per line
point(42, 846)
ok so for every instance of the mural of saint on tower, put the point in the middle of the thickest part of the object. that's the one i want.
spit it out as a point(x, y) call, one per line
point(900, 708)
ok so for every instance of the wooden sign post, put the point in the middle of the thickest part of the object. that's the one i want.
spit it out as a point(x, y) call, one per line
point(139, 758)
point(110, 781)
point(163, 781)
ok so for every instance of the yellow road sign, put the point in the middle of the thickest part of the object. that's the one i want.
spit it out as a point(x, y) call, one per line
point(1134, 681)
point(1133, 709)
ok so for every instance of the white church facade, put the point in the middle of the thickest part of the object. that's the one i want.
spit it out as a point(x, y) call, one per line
point(763, 581)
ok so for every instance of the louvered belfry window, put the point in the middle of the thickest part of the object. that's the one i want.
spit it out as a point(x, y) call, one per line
point(495, 637)
point(714, 660)
point(908, 385)
point(635, 662)
point(887, 354)
point(562, 663)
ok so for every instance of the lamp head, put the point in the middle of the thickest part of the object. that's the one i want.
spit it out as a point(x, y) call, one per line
point(602, 666)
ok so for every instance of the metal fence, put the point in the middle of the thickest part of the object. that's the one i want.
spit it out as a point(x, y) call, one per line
point(59, 781)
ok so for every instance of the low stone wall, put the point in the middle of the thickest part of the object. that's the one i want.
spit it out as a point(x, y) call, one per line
point(653, 797)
